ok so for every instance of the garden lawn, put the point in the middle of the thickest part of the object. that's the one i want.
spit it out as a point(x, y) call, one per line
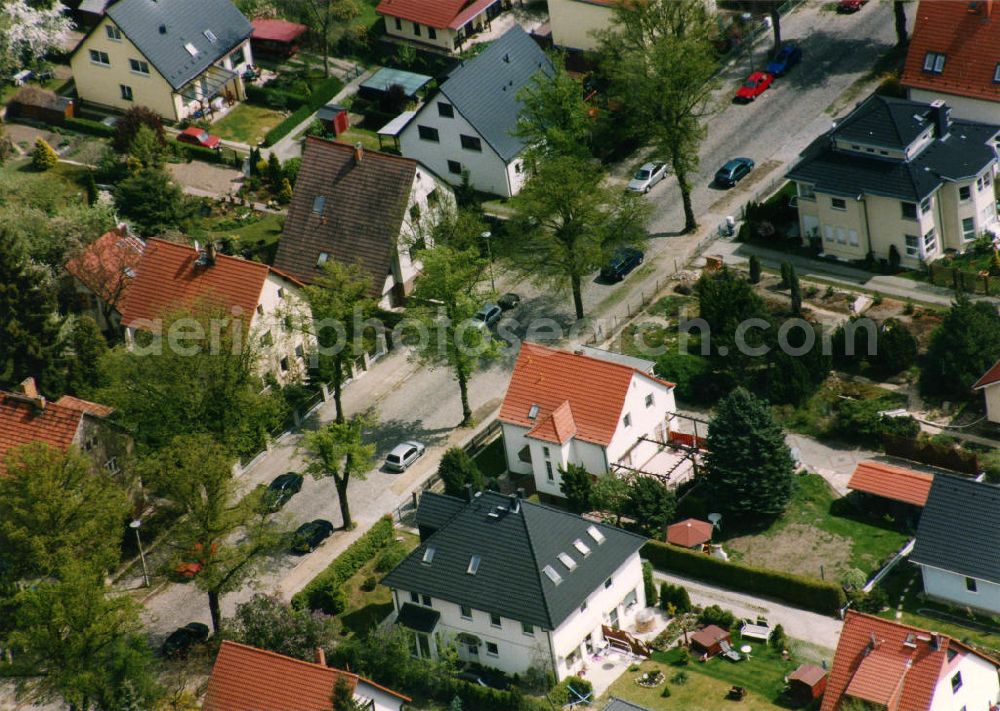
point(247, 123)
point(368, 139)
point(366, 609)
point(259, 232)
point(47, 190)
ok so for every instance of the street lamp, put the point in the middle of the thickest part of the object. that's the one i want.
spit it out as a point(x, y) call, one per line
point(134, 525)
point(489, 252)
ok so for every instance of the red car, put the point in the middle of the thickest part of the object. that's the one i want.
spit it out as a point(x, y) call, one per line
point(850, 5)
point(199, 137)
point(754, 86)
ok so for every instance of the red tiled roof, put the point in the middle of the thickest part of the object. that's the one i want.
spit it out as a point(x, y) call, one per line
point(93, 408)
point(567, 388)
point(989, 377)
point(105, 265)
point(689, 533)
point(896, 483)
point(271, 30)
point(22, 422)
point(970, 42)
point(167, 276)
point(434, 13)
point(895, 674)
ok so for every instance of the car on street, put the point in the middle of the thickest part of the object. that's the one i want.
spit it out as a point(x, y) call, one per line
point(199, 137)
point(181, 640)
point(850, 5)
point(281, 490)
point(403, 455)
point(754, 85)
point(647, 176)
point(625, 260)
point(509, 301)
point(733, 172)
point(309, 535)
point(786, 58)
point(487, 316)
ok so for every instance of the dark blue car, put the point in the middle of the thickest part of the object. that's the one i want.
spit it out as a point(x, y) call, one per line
point(786, 58)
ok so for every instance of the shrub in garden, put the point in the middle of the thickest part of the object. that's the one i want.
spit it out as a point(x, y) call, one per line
point(43, 157)
point(458, 469)
point(715, 615)
point(754, 269)
point(390, 558)
point(779, 640)
point(370, 583)
point(648, 584)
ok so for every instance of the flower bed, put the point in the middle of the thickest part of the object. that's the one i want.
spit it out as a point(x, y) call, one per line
point(651, 679)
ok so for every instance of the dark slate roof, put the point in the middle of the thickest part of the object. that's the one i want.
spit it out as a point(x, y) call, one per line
point(418, 618)
point(514, 548)
point(435, 511)
point(361, 216)
point(616, 704)
point(885, 121)
point(484, 89)
point(185, 21)
point(958, 529)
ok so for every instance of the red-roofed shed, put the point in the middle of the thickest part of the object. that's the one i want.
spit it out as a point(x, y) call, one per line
point(904, 485)
point(690, 533)
point(276, 37)
point(806, 683)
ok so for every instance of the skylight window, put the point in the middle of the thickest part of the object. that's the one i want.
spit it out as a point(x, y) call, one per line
point(210, 36)
point(552, 575)
point(533, 412)
point(595, 534)
point(321, 260)
point(934, 62)
point(428, 555)
point(191, 49)
point(996, 73)
point(582, 547)
point(318, 203)
point(473, 565)
point(567, 560)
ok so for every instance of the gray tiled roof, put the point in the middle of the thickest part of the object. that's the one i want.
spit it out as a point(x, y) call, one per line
point(885, 121)
point(514, 548)
point(484, 89)
point(958, 529)
point(616, 704)
point(182, 22)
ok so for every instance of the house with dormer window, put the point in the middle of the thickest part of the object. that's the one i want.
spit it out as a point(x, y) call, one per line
point(176, 57)
point(899, 180)
point(514, 584)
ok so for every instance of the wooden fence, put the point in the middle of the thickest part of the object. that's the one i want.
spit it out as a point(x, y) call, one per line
point(964, 280)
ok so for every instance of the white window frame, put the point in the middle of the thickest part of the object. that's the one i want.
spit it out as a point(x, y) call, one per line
point(934, 62)
point(842, 201)
point(968, 234)
point(112, 33)
point(967, 197)
point(126, 92)
point(914, 249)
point(103, 60)
point(143, 67)
point(930, 237)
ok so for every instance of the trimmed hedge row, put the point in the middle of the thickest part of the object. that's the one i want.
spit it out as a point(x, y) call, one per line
point(485, 698)
point(322, 590)
point(94, 128)
point(209, 155)
point(284, 128)
point(321, 94)
point(817, 595)
point(267, 96)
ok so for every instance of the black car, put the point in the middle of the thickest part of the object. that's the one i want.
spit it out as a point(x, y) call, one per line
point(509, 301)
point(625, 260)
point(180, 641)
point(308, 536)
point(733, 172)
point(281, 490)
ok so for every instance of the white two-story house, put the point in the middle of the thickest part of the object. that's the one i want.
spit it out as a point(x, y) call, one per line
point(957, 540)
point(899, 180)
point(513, 584)
point(565, 407)
point(361, 207)
point(469, 125)
point(880, 664)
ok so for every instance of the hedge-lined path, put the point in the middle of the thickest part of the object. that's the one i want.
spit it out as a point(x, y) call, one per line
point(811, 627)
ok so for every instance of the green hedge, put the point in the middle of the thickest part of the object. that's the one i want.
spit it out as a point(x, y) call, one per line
point(275, 97)
point(321, 95)
point(817, 595)
point(484, 698)
point(285, 127)
point(209, 155)
point(320, 593)
point(94, 128)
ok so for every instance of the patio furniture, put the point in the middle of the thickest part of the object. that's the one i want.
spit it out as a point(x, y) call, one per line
point(756, 630)
point(729, 652)
point(736, 693)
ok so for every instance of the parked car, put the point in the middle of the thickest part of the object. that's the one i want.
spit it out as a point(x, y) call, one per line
point(509, 301)
point(755, 85)
point(850, 5)
point(733, 172)
point(281, 490)
point(786, 58)
point(487, 316)
point(403, 455)
point(646, 177)
point(625, 260)
point(308, 536)
point(199, 137)
point(181, 640)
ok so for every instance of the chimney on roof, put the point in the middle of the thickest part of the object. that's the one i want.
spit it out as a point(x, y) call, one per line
point(210, 253)
point(935, 641)
point(29, 392)
point(468, 492)
point(941, 116)
point(320, 656)
point(520, 492)
point(515, 503)
point(989, 8)
point(359, 153)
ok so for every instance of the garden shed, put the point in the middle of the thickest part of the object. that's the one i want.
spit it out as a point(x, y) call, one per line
point(708, 640)
point(689, 533)
point(385, 78)
point(276, 37)
point(334, 117)
point(806, 683)
point(33, 102)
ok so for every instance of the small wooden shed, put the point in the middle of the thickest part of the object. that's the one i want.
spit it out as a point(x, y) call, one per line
point(806, 683)
point(276, 37)
point(334, 117)
point(708, 640)
point(33, 102)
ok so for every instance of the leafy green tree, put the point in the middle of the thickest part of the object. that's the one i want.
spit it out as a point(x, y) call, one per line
point(146, 149)
point(577, 484)
point(337, 450)
point(649, 584)
point(662, 65)
point(266, 622)
point(725, 301)
point(961, 349)
point(87, 348)
point(446, 297)
point(652, 505)
point(456, 470)
point(554, 119)
point(57, 507)
point(899, 20)
point(568, 223)
point(343, 696)
point(611, 494)
point(897, 348)
point(456, 704)
point(43, 156)
point(152, 202)
point(795, 291)
point(749, 467)
point(273, 172)
point(754, 269)
point(689, 374)
point(81, 643)
point(129, 125)
point(324, 17)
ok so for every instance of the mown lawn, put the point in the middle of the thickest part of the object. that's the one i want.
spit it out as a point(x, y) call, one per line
point(47, 190)
point(258, 232)
point(247, 123)
point(367, 608)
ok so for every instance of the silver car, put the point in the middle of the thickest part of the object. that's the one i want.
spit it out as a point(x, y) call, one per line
point(403, 455)
point(647, 176)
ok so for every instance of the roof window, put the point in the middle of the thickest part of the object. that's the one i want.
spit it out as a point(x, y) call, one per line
point(595, 534)
point(552, 575)
point(428, 556)
point(567, 560)
point(582, 547)
point(934, 62)
point(533, 412)
point(191, 49)
point(318, 203)
point(210, 36)
point(473, 565)
point(321, 260)
point(996, 73)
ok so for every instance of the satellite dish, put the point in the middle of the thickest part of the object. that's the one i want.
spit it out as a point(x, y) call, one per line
point(715, 518)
